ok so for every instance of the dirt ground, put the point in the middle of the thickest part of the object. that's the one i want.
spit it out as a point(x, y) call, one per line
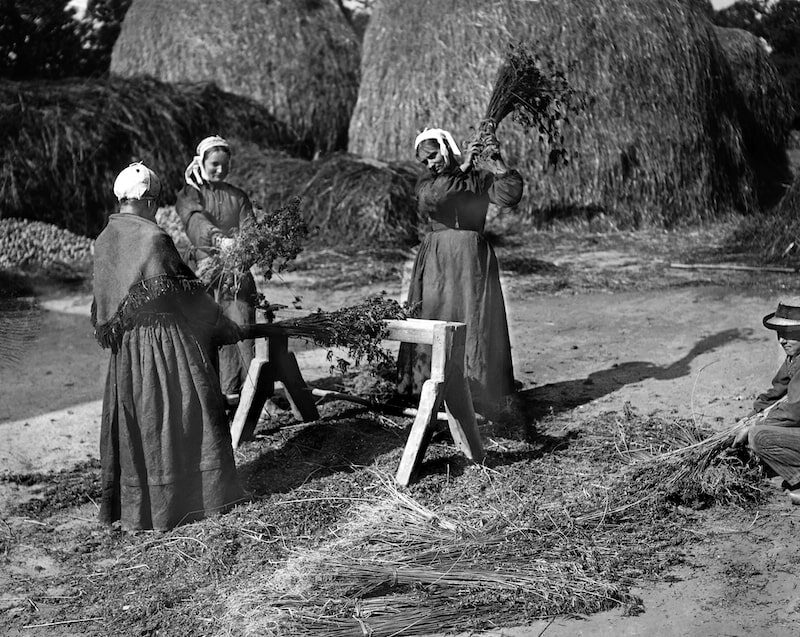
point(597, 326)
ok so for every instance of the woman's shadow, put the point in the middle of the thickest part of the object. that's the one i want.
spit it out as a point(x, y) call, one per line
point(563, 396)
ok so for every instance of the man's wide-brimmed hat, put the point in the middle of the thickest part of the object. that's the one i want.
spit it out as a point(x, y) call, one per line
point(786, 316)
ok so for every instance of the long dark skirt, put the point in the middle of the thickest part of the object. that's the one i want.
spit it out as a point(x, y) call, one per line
point(456, 278)
point(165, 447)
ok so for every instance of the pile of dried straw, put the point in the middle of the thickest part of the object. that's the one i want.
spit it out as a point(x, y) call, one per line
point(299, 58)
point(63, 143)
point(400, 568)
point(662, 142)
point(347, 201)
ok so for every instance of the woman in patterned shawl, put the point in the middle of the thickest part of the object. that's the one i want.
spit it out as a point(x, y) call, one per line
point(165, 447)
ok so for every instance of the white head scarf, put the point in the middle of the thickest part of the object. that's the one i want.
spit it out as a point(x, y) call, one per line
point(447, 145)
point(137, 181)
point(195, 168)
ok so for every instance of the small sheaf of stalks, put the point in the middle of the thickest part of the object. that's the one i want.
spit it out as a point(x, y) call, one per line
point(535, 91)
point(697, 470)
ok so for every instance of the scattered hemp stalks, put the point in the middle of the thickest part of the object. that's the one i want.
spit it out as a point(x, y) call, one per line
point(269, 243)
point(358, 328)
point(699, 470)
point(398, 567)
point(536, 93)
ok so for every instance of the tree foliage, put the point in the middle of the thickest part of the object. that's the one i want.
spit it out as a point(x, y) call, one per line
point(744, 14)
point(47, 39)
point(781, 27)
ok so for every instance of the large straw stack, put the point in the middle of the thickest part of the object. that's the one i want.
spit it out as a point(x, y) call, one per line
point(63, 143)
point(765, 111)
point(299, 58)
point(662, 142)
point(347, 201)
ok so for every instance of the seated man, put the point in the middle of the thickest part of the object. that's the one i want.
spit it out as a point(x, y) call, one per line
point(774, 433)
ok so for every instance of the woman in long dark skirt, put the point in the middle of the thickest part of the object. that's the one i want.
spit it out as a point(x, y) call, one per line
point(212, 210)
point(165, 447)
point(455, 275)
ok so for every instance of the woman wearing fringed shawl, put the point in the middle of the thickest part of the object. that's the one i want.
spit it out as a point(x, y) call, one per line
point(212, 210)
point(455, 275)
point(165, 447)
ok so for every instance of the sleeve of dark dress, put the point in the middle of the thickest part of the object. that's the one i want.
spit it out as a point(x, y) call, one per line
point(433, 192)
point(189, 206)
point(778, 390)
point(428, 193)
point(205, 317)
point(246, 217)
point(506, 189)
point(787, 413)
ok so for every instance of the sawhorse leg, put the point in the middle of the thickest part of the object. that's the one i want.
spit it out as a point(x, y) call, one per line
point(286, 370)
point(259, 385)
point(447, 385)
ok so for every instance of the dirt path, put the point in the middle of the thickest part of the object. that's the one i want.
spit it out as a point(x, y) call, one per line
point(694, 351)
point(689, 352)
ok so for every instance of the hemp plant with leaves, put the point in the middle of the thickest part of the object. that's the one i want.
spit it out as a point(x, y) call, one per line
point(534, 90)
point(360, 329)
point(272, 240)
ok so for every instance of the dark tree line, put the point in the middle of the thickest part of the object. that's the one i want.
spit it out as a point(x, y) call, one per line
point(47, 39)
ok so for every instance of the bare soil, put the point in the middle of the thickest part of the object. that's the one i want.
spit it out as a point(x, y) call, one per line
point(600, 323)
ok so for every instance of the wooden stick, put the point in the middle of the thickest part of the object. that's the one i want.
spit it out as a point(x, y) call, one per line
point(328, 394)
point(733, 266)
point(66, 621)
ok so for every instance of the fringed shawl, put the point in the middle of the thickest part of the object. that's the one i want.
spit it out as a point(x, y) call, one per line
point(135, 263)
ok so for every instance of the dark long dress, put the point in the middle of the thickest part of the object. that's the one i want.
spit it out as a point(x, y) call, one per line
point(456, 278)
point(165, 447)
point(221, 207)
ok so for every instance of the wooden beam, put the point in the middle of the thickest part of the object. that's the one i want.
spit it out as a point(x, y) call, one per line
point(328, 394)
point(733, 266)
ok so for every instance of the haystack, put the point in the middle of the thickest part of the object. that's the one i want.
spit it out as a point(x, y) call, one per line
point(299, 58)
point(348, 201)
point(764, 107)
point(660, 144)
point(63, 143)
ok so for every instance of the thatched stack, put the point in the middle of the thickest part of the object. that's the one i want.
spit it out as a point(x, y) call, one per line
point(299, 58)
point(661, 143)
point(63, 143)
point(765, 111)
point(347, 201)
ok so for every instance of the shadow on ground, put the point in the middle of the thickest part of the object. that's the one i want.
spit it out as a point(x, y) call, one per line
point(349, 436)
point(566, 395)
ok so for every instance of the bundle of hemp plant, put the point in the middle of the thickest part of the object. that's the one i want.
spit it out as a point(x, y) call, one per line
point(269, 243)
point(536, 93)
point(698, 470)
point(359, 329)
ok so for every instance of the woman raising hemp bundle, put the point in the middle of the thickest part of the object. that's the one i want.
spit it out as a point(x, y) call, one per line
point(455, 275)
point(212, 210)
